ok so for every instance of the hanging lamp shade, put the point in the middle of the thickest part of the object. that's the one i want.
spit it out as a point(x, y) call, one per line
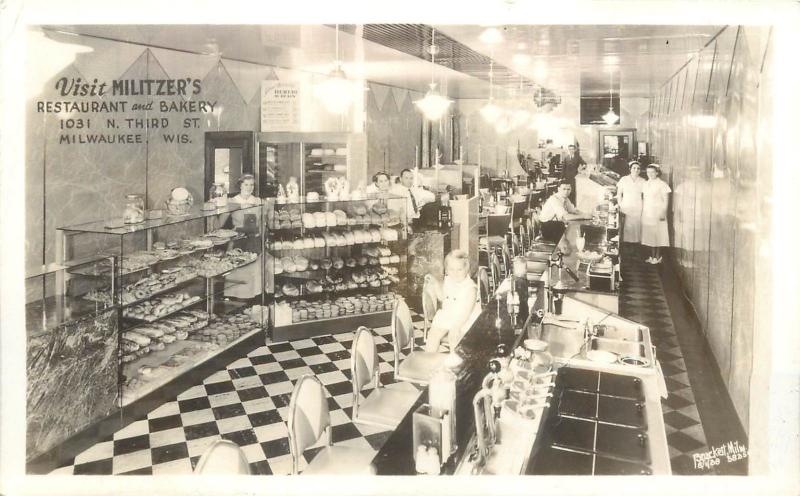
point(610, 117)
point(433, 105)
point(491, 112)
point(335, 92)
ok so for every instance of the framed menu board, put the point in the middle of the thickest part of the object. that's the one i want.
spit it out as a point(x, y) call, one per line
point(280, 106)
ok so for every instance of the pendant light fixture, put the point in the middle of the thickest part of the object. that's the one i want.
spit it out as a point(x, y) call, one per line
point(610, 117)
point(433, 105)
point(336, 92)
point(491, 112)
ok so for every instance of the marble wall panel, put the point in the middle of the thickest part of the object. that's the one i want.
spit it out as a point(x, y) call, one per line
point(717, 144)
point(72, 368)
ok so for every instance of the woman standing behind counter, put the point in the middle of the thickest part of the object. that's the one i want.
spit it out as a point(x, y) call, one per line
point(248, 276)
point(655, 199)
point(629, 196)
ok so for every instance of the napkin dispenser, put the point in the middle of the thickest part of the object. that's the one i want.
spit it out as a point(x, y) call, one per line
point(432, 438)
point(601, 277)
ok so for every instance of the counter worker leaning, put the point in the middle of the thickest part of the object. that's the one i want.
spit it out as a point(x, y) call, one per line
point(570, 168)
point(415, 196)
point(556, 211)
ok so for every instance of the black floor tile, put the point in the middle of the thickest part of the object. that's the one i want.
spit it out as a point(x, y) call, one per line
point(274, 377)
point(310, 453)
point(242, 372)
point(99, 467)
point(281, 400)
point(201, 430)
point(131, 444)
point(344, 432)
point(261, 359)
point(384, 347)
point(219, 387)
point(378, 439)
point(139, 471)
point(293, 363)
point(168, 453)
point(276, 447)
point(164, 423)
point(260, 468)
point(265, 418)
point(193, 460)
point(323, 340)
point(280, 347)
point(228, 411)
point(339, 388)
point(339, 355)
point(321, 368)
point(310, 351)
point(676, 402)
point(194, 404)
point(678, 420)
point(242, 438)
point(252, 393)
point(683, 442)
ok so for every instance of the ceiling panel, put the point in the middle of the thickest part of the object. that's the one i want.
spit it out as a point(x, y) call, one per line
point(644, 56)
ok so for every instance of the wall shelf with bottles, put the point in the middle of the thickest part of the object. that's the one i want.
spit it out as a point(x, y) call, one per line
point(185, 288)
point(328, 261)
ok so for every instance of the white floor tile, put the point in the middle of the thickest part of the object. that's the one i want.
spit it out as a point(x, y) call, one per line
point(167, 437)
point(258, 405)
point(193, 392)
point(338, 417)
point(260, 351)
point(265, 368)
point(331, 347)
point(254, 453)
point(315, 359)
point(242, 362)
point(279, 388)
point(247, 382)
point(197, 417)
point(132, 461)
point(228, 398)
point(271, 432)
point(137, 428)
point(297, 372)
point(99, 451)
point(332, 377)
point(181, 466)
point(303, 343)
point(197, 447)
point(165, 410)
point(218, 376)
point(234, 424)
point(286, 355)
point(282, 465)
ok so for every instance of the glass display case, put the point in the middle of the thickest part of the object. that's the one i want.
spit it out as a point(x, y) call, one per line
point(185, 287)
point(311, 158)
point(71, 363)
point(332, 266)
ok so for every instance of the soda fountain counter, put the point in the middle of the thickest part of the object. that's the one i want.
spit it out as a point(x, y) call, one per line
point(602, 414)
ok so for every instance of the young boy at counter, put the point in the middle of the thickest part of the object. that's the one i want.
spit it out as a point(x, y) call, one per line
point(460, 305)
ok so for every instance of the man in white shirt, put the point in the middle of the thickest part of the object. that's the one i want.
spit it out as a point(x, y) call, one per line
point(558, 207)
point(415, 197)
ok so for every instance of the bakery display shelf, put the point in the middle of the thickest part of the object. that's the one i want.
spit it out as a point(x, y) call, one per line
point(317, 171)
point(227, 272)
point(175, 286)
point(53, 311)
point(328, 156)
point(346, 246)
point(312, 274)
point(332, 325)
point(139, 321)
point(157, 358)
point(342, 228)
point(305, 295)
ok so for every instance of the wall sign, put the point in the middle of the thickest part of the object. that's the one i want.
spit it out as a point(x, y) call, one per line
point(280, 106)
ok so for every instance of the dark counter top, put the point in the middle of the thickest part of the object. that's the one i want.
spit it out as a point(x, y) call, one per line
point(476, 348)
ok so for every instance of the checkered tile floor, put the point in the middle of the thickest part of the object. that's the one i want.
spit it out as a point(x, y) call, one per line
point(642, 300)
point(247, 403)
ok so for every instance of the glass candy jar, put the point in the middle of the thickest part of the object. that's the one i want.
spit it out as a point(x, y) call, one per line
point(134, 209)
point(218, 195)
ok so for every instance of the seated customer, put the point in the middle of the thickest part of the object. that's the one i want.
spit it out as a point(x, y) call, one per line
point(558, 207)
point(460, 306)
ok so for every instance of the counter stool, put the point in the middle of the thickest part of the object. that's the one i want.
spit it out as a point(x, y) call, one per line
point(309, 420)
point(222, 457)
point(386, 405)
point(418, 366)
point(496, 273)
point(483, 287)
point(429, 304)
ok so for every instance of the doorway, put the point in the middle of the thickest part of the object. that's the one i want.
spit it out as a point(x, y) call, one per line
point(616, 148)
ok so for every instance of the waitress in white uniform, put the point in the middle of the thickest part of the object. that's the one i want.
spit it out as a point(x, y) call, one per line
point(248, 277)
point(629, 197)
point(655, 199)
